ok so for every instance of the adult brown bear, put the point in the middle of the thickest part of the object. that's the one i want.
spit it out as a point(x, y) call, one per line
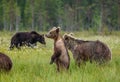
point(60, 55)
point(26, 38)
point(5, 62)
point(87, 50)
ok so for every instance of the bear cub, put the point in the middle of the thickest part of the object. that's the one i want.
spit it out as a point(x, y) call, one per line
point(5, 62)
point(60, 55)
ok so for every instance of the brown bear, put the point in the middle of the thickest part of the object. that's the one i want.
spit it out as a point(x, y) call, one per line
point(5, 62)
point(60, 55)
point(87, 50)
point(26, 38)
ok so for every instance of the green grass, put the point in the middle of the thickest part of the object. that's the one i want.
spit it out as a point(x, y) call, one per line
point(32, 65)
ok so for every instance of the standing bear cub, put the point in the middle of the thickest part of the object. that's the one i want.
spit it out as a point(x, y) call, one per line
point(60, 55)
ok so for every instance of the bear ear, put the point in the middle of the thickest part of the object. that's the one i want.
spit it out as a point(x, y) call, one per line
point(54, 27)
point(65, 36)
point(57, 30)
point(58, 27)
point(71, 34)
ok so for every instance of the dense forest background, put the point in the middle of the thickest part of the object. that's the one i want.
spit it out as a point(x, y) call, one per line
point(71, 15)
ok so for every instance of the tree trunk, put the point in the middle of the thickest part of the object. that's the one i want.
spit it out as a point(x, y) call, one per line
point(89, 15)
point(12, 15)
point(77, 14)
point(118, 14)
point(17, 23)
point(32, 7)
point(103, 17)
point(5, 15)
point(5, 23)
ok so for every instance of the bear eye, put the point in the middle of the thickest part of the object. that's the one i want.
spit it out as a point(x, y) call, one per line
point(50, 32)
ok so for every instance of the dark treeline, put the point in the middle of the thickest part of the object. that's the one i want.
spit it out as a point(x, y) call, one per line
point(71, 15)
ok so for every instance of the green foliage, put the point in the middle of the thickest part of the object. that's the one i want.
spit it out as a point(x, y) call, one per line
point(32, 65)
point(72, 15)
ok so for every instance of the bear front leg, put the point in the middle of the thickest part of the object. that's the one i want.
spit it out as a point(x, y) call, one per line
point(18, 46)
point(11, 47)
point(55, 56)
point(52, 59)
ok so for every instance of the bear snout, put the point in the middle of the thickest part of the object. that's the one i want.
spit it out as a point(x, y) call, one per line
point(47, 35)
point(43, 42)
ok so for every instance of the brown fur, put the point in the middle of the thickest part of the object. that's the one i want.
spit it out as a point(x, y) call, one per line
point(60, 55)
point(87, 50)
point(5, 62)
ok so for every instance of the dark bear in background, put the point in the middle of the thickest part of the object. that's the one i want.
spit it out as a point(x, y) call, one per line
point(60, 55)
point(5, 62)
point(26, 38)
point(87, 50)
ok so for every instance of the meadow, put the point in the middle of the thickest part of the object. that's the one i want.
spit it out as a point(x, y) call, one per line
point(32, 65)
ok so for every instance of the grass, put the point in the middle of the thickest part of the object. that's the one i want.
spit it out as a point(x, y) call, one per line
point(32, 65)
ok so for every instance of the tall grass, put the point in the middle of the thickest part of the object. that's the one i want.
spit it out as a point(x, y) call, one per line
point(32, 65)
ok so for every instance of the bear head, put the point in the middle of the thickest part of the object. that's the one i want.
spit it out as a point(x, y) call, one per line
point(53, 33)
point(38, 37)
point(69, 40)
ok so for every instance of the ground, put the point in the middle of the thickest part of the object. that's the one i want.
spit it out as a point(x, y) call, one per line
point(32, 65)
